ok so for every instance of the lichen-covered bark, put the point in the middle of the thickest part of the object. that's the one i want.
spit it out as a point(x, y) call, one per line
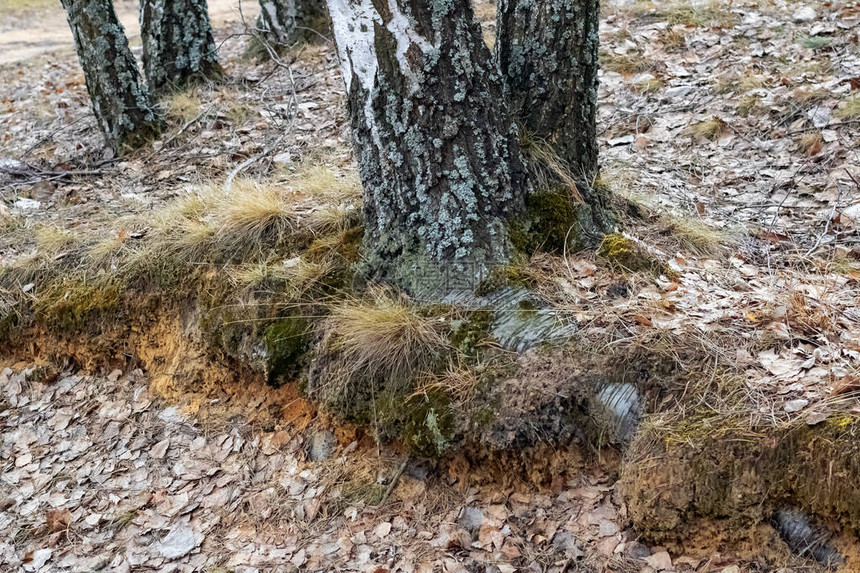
point(120, 101)
point(547, 51)
point(178, 47)
point(282, 21)
point(437, 153)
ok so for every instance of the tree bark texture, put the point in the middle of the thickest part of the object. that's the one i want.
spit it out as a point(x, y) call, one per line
point(178, 47)
point(548, 54)
point(282, 21)
point(120, 101)
point(438, 155)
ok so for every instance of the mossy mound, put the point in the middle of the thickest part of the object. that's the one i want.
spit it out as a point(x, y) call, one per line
point(469, 333)
point(724, 472)
point(626, 254)
point(74, 303)
point(506, 276)
point(287, 341)
point(550, 223)
point(375, 363)
point(429, 426)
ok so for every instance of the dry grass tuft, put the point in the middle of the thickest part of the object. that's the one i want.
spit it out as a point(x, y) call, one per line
point(384, 336)
point(696, 236)
point(673, 38)
point(290, 242)
point(651, 85)
point(629, 63)
point(217, 225)
point(810, 143)
point(545, 156)
point(741, 82)
point(183, 106)
point(712, 128)
point(53, 239)
point(105, 249)
point(809, 96)
point(321, 181)
point(253, 213)
point(458, 382)
point(7, 220)
point(712, 13)
point(751, 104)
point(811, 315)
point(691, 233)
point(293, 278)
point(232, 106)
point(850, 108)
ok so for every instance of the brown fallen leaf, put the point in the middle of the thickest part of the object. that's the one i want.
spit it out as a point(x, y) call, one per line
point(584, 268)
point(846, 384)
point(510, 551)
point(58, 519)
point(643, 320)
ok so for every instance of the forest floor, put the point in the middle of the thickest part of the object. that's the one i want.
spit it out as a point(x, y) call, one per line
point(735, 126)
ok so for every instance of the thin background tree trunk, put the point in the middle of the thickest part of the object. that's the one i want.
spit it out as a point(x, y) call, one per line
point(548, 54)
point(437, 153)
point(282, 21)
point(120, 101)
point(178, 47)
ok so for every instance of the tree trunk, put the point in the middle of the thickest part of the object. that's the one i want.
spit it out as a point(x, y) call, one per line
point(437, 153)
point(120, 101)
point(178, 47)
point(282, 21)
point(548, 55)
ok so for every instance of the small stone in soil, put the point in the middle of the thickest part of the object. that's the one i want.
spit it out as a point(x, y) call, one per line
point(471, 518)
point(321, 446)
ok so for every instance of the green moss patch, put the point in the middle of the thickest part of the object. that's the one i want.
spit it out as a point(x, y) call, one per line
point(287, 341)
point(470, 332)
point(506, 276)
point(626, 254)
point(550, 223)
point(73, 303)
point(429, 427)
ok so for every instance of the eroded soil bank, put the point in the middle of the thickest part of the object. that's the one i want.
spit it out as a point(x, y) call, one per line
point(536, 485)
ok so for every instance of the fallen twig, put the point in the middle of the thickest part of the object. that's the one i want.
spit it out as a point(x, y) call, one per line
point(394, 481)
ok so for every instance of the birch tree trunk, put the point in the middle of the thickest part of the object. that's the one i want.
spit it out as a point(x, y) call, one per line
point(437, 153)
point(548, 54)
point(120, 101)
point(178, 47)
point(282, 21)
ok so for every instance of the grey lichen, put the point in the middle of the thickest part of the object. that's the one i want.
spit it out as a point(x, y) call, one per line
point(441, 167)
point(548, 55)
point(120, 101)
point(178, 47)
